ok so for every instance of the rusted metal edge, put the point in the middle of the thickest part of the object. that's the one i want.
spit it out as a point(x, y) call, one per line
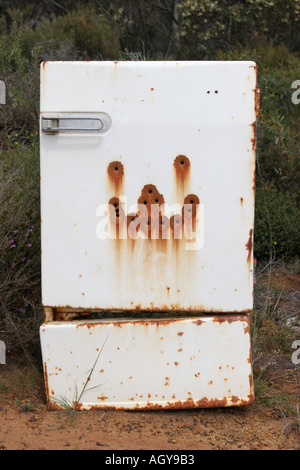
point(169, 405)
point(198, 320)
point(69, 314)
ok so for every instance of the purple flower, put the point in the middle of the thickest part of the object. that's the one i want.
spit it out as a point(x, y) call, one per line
point(20, 309)
point(12, 246)
point(15, 231)
point(11, 241)
point(30, 230)
point(3, 262)
point(23, 259)
point(29, 261)
point(29, 244)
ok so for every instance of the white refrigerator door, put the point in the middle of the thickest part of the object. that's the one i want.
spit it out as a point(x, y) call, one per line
point(185, 128)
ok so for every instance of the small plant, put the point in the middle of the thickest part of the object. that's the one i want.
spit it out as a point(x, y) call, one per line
point(74, 405)
point(26, 406)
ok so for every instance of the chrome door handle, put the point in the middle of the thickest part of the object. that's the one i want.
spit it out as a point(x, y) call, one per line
point(96, 123)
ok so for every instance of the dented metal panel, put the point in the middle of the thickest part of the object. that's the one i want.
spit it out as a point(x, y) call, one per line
point(169, 363)
point(181, 134)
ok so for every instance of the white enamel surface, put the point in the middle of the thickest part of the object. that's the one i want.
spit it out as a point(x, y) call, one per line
point(158, 110)
point(195, 362)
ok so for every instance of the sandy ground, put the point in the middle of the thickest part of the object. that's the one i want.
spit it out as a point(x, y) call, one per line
point(255, 427)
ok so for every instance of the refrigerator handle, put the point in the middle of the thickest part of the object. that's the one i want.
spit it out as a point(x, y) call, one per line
point(66, 123)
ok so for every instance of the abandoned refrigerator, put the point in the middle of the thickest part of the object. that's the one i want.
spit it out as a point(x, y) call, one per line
point(147, 208)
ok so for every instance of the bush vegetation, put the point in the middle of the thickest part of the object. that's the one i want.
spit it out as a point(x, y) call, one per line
point(266, 31)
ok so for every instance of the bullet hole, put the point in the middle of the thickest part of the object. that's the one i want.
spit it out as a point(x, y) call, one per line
point(181, 163)
point(115, 169)
point(115, 210)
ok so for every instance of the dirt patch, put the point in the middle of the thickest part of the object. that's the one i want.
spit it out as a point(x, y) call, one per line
point(248, 428)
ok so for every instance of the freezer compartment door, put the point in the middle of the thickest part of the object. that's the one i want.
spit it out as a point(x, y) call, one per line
point(148, 364)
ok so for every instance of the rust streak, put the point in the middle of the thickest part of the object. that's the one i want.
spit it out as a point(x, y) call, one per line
point(115, 172)
point(253, 138)
point(249, 246)
point(257, 101)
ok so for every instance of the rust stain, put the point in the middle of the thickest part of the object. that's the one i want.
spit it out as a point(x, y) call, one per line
point(115, 172)
point(115, 211)
point(253, 138)
point(249, 246)
point(182, 163)
point(230, 318)
point(257, 101)
point(189, 403)
point(46, 382)
point(150, 201)
point(191, 202)
point(198, 322)
point(182, 167)
point(180, 333)
point(176, 224)
point(242, 201)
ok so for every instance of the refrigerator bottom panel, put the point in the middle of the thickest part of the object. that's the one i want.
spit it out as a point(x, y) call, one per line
point(150, 364)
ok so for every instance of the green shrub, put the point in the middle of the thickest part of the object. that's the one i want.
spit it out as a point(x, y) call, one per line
point(83, 31)
point(277, 224)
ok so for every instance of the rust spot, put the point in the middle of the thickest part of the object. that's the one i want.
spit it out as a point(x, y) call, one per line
point(115, 211)
point(182, 164)
point(176, 363)
point(150, 200)
point(249, 246)
point(198, 322)
point(242, 201)
point(176, 223)
point(168, 289)
point(115, 170)
point(180, 333)
point(191, 202)
point(102, 398)
point(253, 138)
point(133, 226)
point(151, 89)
